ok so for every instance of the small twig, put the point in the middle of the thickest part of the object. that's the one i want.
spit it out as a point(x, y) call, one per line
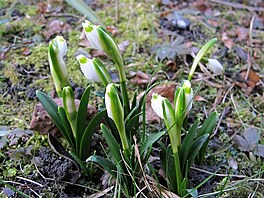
point(239, 6)
point(29, 180)
point(232, 99)
point(219, 175)
point(63, 15)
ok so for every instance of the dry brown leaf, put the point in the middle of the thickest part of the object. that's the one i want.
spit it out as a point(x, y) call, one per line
point(55, 27)
point(112, 29)
point(200, 98)
point(123, 46)
point(242, 33)
point(139, 78)
point(228, 42)
point(248, 84)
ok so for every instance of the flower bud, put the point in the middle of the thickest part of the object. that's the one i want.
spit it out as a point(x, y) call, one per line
point(115, 111)
point(57, 49)
point(62, 45)
point(69, 103)
point(188, 95)
point(214, 66)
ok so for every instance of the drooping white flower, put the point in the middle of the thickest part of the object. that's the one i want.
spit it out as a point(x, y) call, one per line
point(214, 66)
point(156, 104)
point(62, 45)
point(87, 67)
point(92, 35)
point(100, 39)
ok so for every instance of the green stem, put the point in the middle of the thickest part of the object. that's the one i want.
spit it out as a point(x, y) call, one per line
point(200, 54)
point(125, 97)
point(178, 170)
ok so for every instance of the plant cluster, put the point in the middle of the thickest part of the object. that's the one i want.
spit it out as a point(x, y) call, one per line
point(124, 126)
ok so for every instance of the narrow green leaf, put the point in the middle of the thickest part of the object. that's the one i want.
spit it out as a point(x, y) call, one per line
point(81, 116)
point(112, 143)
point(105, 163)
point(84, 147)
point(52, 109)
point(208, 124)
point(195, 148)
point(84, 9)
point(68, 132)
point(152, 139)
point(187, 142)
point(79, 161)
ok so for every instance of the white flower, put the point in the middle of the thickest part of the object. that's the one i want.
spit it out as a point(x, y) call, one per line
point(215, 66)
point(62, 45)
point(87, 67)
point(156, 104)
point(92, 34)
point(188, 95)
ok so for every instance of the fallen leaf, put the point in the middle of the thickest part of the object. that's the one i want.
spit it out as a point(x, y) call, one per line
point(259, 150)
point(232, 163)
point(171, 64)
point(112, 29)
point(199, 98)
point(228, 42)
point(252, 136)
point(139, 78)
point(55, 27)
point(241, 143)
point(242, 33)
point(170, 50)
point(26, 51)
point(242, 54)
point(123, 46)
point(248, 84)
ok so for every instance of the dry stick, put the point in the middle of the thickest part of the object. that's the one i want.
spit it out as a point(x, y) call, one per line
point(250, 49)
point(29, 180)
point(239, 6)
point(241, 121)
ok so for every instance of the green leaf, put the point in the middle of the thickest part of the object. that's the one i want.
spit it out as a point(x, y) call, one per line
point(112, 143)
point(187, 142)
point(81, 116)
point(208, 124)
point(200, 55)
point(152, 139)
point(195, 148)
point(105, 163)
point(79, 161)
point(207, 128)
point(84, 9)
point(68, 132)
point(84, 147)
point(52, 109)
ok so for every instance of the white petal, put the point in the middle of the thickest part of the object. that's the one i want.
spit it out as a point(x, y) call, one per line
point(188, 95)
point(92, 35)
point(108, 101)
point(62, 45)
point(214, 66)
point(87, 68)
point(156, 104)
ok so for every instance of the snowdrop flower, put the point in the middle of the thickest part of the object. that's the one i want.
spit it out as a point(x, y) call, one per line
point(115, 111)
point(94, 69)
point(57, 49)
point(87, 68)
point(100, 39)
point(69, 103)
point(156, 104)
point(188, 95)
point(214, 66)
point(62, 45)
